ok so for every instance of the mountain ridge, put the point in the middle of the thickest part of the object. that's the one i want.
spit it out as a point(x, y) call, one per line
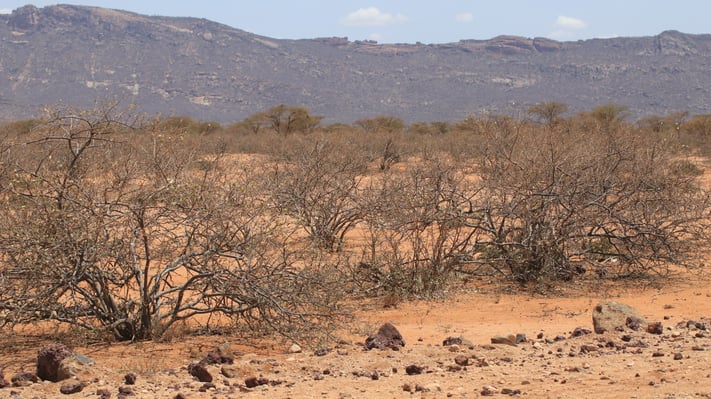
point(210, 71)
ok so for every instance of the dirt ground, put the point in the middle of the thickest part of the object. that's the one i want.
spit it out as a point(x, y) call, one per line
point(629, 364)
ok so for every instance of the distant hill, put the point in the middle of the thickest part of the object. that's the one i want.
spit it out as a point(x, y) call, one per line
point(210, 71)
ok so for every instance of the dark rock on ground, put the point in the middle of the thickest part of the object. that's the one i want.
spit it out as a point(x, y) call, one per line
point(206, 386)
point(611, 316)
point(504, 340)
point(579, 332)
point(221, 355)
point(462, 360)
point(103, 394)
point(655, 328)
point(3, 382)
point(130, 379)
point(199, 371)
point(126, 391)
point(449, 341)
point(24, 379)
point(387, 337)
point(252, 382)
point(414, 369)
point(49, 359)
point(72, 387)
point(321, 352)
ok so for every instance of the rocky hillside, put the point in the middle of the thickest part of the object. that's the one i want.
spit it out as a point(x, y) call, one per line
point(211, 71)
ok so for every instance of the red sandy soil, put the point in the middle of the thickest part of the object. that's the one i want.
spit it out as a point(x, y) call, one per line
point(591, 366)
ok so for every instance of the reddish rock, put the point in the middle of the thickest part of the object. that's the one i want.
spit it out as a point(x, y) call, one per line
point(130, 379)
point(253, 382)
point(462, 360)
point(387, 337)
point(199, 371)
point(24, 379)
point(71, 387)
point(414, 369)
point(49, 359)
point(655, 328)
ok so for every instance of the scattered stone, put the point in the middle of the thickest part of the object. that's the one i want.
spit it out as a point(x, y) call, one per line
point(462, 360)
point(633, 323)
point(103, 393)
point(321, 352)
point(511, 392)
point(130, 379)
point(612, 316)
point(504, 340)
point(228, 371)
point(655, 328)
point(253, 382)
point(449, 341)
point(220, 355)
point(48, 360)
point(387, 337)
point(521, 338)
point(588, 348)
point(678, 356)
point(657, 354)
point(24, 379)
point(414, 369)
point(295, 348)
point(126, 391)
point(71, 387)
point(3, 382)
point(180, 396)
point(452, 368)
point(579, 332)
point(70, 366)
point(199, 371)
point(207, 386)
point(489, 390)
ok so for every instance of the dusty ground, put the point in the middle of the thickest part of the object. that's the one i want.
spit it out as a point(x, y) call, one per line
point(597, 366)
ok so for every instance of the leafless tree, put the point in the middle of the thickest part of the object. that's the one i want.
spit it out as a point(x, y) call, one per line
point(111, 227)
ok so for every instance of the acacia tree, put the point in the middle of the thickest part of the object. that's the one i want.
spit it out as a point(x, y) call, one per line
point(554, 205)
point(128, 232)
point(315, 182)
point(284, 119)
point(416, 237)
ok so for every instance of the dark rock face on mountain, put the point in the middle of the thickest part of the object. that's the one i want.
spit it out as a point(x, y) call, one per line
point(210, 71)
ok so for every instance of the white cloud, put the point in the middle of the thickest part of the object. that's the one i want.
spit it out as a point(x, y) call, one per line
point(464, 17)
point(5, 11)
point(563, 22)
point(372, 16)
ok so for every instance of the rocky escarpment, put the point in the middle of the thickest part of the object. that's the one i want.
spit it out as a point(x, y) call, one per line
point(211, 71)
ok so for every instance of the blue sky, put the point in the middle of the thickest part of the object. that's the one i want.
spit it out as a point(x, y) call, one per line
point(442, 21)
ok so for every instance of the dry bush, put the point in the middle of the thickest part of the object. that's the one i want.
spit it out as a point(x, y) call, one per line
point(115, 228)
point(555, 203)
point(416, 240)
point(315, 182)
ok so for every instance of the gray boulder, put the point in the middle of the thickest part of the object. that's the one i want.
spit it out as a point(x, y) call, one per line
point(614, 316)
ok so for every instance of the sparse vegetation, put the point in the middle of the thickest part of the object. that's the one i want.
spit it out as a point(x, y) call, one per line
point(129, 226)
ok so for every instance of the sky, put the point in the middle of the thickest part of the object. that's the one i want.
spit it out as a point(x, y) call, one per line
point(441, 21)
